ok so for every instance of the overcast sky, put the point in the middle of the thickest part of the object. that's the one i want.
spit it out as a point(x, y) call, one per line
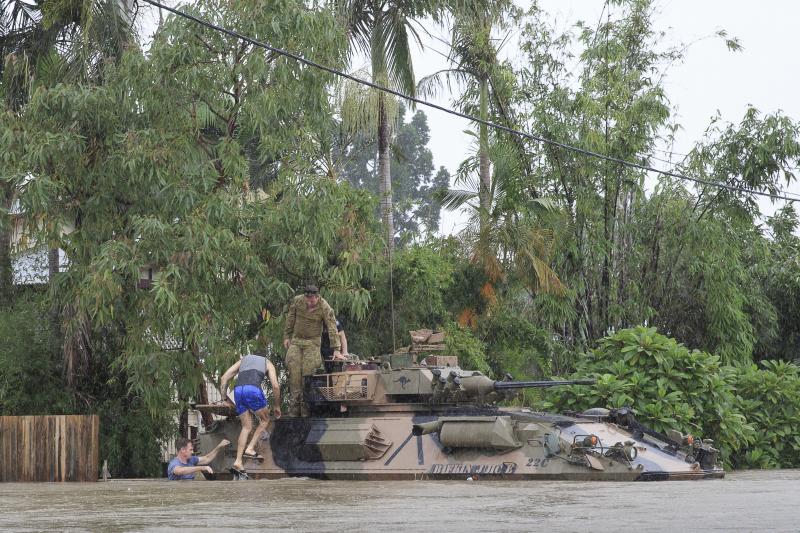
point(766, 73)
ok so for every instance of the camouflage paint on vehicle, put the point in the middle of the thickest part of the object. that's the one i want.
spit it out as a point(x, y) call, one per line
point(395, 419)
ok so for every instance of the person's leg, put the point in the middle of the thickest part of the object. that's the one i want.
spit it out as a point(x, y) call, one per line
point(311, 362)
point(247, 425)
point(294, 367)
point(263, 425)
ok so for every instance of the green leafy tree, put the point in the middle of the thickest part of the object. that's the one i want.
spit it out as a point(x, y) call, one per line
point(682, 258)
point(383, 30)
point(416, 211)
point(779, 273)
point(155, 171)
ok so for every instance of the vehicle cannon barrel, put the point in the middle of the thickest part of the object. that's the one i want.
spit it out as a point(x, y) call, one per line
point(503, 385)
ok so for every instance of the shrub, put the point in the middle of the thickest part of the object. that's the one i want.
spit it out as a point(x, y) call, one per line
point(30, 360)
point(770, 400)
point(471, 351)
point(668, 385)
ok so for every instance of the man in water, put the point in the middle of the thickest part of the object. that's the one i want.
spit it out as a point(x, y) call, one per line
point(184, 465)
point(301, 337)
point(248, 396)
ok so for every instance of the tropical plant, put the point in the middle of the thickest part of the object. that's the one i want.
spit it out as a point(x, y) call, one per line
point(416, 210)
point(476, 67)
point(153, 171)
point(769, 398)
point(667, 385)
point(383, 30)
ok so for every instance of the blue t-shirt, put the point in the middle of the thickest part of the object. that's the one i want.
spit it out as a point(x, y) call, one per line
point(193, 460)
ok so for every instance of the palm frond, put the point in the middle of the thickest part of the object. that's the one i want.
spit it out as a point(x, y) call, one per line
point(544, 278)
point(456, 198)
point(399, 65)
point(433, 84)
point(358, 108)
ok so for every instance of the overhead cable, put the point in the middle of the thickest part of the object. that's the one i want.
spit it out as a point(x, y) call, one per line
point(453, 112)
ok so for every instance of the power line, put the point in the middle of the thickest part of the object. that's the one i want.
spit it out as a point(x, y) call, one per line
point(453, 112)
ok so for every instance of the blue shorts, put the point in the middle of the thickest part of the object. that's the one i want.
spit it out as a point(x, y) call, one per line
point(249, 397)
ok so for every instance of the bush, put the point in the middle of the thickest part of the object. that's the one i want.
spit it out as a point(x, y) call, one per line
point(668, 386)
point(30, 360)
point(470, 350)
point(514, 344)
point(770, 400)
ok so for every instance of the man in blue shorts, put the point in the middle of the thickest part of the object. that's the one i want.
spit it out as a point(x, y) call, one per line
point(185, 465)
point(248, 396)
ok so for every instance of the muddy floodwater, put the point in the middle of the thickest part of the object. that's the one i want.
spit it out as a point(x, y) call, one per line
point(744, 501)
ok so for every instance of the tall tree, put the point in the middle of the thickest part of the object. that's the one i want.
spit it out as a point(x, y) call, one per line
point(675, 257)
point(416, 211)
point(383, 30)
point(474, 56)
point(42, 44)
point(155, 167)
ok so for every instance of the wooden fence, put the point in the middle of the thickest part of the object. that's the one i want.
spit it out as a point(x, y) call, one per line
point(49, 448)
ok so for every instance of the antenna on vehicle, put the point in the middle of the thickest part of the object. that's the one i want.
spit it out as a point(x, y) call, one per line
point(390, 253)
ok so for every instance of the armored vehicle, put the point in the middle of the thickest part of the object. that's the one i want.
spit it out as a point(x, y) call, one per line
point(406, 417)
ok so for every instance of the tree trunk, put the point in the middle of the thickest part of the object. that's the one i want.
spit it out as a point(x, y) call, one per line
point(384, 172)
point(483, 156)
point(6, 229)
point(202, 389)
point(52, 270)
point(202, 398)
point(183, 422)
point(52, 263)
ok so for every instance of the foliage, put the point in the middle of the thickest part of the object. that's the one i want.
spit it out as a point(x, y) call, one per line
point(384, 30)
point(690, 261)
point(668, 385)
point(779, 274)
point(416, 211)
point(769, 398)
point(32, 370)
point(166, 187)
point(415, 294)
point(515, 345)
point(230, 175)
point(30, 361)
point(470, 350)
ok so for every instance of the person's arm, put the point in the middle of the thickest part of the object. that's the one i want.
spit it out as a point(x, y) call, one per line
point(288, 328)
point(180, 470)
point(276, 389)
point(183, 470)
point(226, 377)
point(207, 458)
point(343, 342)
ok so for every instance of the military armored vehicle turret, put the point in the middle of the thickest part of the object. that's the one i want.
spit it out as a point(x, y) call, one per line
point(403, 416)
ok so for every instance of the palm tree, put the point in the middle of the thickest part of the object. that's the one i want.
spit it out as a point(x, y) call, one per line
point(474, 58)
point(506, 236)
point(383, 30)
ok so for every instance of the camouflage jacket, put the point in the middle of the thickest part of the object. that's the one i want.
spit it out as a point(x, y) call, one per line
point(307, 325)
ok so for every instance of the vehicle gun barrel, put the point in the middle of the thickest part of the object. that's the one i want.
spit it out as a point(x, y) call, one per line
point(505, 385)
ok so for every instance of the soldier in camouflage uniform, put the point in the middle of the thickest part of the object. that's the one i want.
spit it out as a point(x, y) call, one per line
point(301, 337)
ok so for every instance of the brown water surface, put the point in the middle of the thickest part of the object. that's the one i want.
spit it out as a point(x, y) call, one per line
point(744, 501)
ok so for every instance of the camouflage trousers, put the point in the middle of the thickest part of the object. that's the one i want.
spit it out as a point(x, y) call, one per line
point(302, 359)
